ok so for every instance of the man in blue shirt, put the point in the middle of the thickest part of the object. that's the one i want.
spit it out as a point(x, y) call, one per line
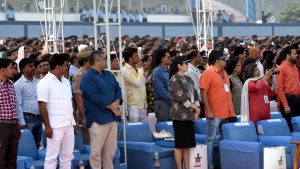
point(159, 80)
point(27, 105)
point(102, 96)
point(10, 13)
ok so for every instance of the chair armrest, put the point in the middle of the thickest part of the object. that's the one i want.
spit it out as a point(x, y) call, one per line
point(296, 135)
point(87, 148)
point(272, 141)
point(42, 154)
point(140, 146)
point(28, 161)
point(241, 146)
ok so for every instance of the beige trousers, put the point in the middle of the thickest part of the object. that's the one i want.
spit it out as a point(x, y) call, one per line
point(103, 145)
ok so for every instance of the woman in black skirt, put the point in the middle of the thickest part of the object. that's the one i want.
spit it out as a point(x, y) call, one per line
point(184, 111)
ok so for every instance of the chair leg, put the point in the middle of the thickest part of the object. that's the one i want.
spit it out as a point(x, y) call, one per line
point(296, 158)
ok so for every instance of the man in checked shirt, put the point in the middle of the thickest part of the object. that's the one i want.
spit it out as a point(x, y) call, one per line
point(9, 128)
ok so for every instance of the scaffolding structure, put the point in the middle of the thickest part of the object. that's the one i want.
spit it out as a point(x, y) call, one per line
point(202, 19)
point(54, 26)
point(107, 24)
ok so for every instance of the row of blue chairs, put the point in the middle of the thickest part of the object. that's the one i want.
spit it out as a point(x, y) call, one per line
point(29, 156)
point(239, 147)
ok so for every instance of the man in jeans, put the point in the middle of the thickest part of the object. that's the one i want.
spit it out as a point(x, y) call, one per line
point(27, 104)
point(135, 85)
point(9, 128)
point(102, 96)
point(216, 97)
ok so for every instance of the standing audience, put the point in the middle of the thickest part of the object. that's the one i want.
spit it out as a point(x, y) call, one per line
point(216, 97)
point(27, 103)
point(184, 111)
point(9, 127)
point(288, 85)
point(102, 96)
point(55, 103)
point(255, 104)
point(135, 89)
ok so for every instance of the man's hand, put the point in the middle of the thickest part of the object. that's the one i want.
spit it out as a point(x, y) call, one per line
point(209, 114)
point(76, 128)
point(48, 132)
point(23, 127)
point(84, 122)
point(287, 110)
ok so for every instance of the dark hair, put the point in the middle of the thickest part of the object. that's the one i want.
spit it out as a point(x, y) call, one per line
point(238, 50)
point(46, 57)
point(174, 66)
point(249, 71)
point(128, 52)
point(158, 55)
point(192, 53)
point(269, 56)
point(231, 64)
point(145, 58)
point(214, 56)
point(285, 51)
point(24, 62)
point(93, 56)
point(57, 60)
point(4, 63)
point(112, 57)
point(37, 63)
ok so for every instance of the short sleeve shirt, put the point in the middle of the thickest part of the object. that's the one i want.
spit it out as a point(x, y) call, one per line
point(76, 80)
point(220, 101)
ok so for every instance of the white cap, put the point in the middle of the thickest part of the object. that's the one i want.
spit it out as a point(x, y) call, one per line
point(82, 48)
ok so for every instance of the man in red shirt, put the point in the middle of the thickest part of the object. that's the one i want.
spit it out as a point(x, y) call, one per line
point(216, 97)
point(9, 128)
point(288, 84)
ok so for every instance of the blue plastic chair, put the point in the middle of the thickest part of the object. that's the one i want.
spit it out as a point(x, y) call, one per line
point(141, 148)
point(243, 148)
point(27, 148)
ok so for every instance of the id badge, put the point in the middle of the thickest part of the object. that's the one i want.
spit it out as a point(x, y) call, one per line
point(266, 99)
point(226, 88)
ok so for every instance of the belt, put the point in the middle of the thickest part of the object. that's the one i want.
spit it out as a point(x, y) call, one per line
point(292, 96)
point(36, 116)
point(9, 121)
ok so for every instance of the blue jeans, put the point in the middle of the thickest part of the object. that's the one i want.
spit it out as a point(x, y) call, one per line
point(212, 126)
point(35, 126)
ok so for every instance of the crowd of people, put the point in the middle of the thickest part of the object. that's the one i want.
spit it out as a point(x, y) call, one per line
point(170, 77)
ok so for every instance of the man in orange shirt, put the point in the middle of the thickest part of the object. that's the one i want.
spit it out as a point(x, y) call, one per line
point(216, 96)
point(288, 84)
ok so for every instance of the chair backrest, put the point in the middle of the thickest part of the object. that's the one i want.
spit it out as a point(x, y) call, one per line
point(167, 126)
point(276, 115)
point(242, 131)
point(79, 142)
point(273, 127)
point(138, 132)
point(201, 127)
point(27, 145)
point(296, 123)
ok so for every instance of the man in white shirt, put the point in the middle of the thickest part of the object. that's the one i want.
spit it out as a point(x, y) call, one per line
point(255, 53)
point(193, 72)
point(55, 104)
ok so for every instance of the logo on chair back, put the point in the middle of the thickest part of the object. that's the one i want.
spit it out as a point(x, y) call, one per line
point(197, 160)
point(280, 162)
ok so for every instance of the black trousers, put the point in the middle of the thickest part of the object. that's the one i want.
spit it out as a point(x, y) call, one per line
point(9, 140)
point(294, 104)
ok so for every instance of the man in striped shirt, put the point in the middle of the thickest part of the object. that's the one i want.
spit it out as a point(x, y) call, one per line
point(9, 128)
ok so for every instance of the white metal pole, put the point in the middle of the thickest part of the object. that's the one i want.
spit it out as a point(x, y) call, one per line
point(95, 26)
point(211, 25)
point(205, 25)
point(107, 35)
point(54, 27)
point(62, 26)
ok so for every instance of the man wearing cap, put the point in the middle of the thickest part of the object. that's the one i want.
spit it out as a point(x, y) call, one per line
point(84, 65)
point(216, 97)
